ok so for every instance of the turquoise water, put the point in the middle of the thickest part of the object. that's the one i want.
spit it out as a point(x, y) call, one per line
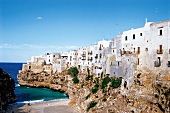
point(26, 94)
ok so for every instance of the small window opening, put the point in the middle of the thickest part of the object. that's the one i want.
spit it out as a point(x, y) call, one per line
point(146, 49)
point(140, 34)
point(138, 61)
point(160, 32)
point(29, 67)
point(125, 38)
point(133, 36)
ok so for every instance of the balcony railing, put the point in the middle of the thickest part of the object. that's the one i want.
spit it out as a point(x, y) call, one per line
point(83, 55)
point(83, 58)
point(159, 51)
point(90, 59)
point(157, 63)
point(90, 53)
point(123, 52)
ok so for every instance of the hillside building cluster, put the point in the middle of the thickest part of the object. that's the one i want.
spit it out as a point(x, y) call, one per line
point(136, 49)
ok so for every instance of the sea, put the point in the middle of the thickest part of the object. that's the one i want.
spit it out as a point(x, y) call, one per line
point(26, 94)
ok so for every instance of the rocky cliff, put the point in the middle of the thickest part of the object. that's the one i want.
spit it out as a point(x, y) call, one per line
point(149, 93)
point(7, 86)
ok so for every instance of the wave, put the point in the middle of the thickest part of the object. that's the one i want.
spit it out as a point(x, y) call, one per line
point(17, 85)
point(31, 101)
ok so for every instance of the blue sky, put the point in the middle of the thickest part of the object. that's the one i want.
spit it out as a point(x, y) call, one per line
point(34, 27)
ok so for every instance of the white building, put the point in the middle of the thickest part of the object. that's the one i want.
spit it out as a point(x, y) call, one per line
point(147, 47)
point(52, 58)
point(72, 58)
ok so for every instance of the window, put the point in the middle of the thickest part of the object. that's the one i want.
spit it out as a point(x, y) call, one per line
point(133, 36)
point(138, 50)
point(140, 34)
point(160, 32)
point(146, 49)
point(138, 61)
point(53, 55)
point(113, 51)
point(125, 38)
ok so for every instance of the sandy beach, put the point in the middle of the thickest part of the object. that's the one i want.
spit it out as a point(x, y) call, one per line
point(55, 106)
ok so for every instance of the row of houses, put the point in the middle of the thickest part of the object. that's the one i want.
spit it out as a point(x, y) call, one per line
point(147, 47)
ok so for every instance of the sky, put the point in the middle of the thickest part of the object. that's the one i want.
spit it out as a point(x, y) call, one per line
point(35, 27)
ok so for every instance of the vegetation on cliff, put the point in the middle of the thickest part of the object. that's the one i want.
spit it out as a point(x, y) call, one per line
point(101, 93)
point(73, 71)
point(7, 86)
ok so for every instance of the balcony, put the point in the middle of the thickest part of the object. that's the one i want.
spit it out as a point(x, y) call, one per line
point(90, 53)
point(83, 55)
point(159, 51)
point(83, 58)
point(157, 63)
point(123, 52)
point(90, 59)
point(168, 64)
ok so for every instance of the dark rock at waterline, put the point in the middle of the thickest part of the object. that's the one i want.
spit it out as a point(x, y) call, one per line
point(7, 86)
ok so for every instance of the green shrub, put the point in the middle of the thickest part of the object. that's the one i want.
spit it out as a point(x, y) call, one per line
point(96, 85)
point(106, 80)
point(89, 77)
point(73, 71)
point(94, 90)
point(116, 82)
point(91, 105)
point(75, 80)
point(97, 80)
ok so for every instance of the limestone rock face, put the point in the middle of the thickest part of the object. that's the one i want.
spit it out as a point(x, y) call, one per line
point(56, 81)
point(7, 86)
point(149, 93)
